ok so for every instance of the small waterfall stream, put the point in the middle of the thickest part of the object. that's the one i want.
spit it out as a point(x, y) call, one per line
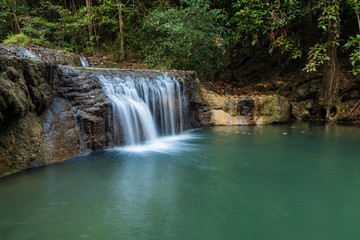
point(144, 108)
point(84, 62)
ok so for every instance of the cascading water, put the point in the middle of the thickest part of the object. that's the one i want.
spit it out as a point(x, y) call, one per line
point(144, 108)
point(84, 62)
point(22, 52)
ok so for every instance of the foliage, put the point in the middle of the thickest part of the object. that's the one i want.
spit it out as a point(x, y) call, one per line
point(20, 39)
point(53, 25)
point(5, 17)
point(317, 57)
point(354, 42)
point(188, 37)
point(329, 23)
point(270, 20)
point(204, 35)
point(354, 56)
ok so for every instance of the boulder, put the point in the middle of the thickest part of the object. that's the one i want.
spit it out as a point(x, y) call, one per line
point(273, 109)
point(299, 110)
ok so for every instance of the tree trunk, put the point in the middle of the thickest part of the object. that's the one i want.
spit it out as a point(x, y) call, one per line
point(330, 91)
point(121, 33)
point(358, 18)
point(17, 28)
point(309, 32)
point(74, 7)
point(89, 16)
point(330, 94)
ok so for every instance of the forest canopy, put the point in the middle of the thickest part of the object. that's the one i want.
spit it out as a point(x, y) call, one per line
point(203, 35)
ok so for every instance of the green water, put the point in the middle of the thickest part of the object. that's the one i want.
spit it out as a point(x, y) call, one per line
point(213, 183)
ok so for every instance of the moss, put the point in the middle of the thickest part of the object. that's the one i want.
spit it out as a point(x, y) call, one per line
point(2, 108)
point(6, 146)
point(346, 118)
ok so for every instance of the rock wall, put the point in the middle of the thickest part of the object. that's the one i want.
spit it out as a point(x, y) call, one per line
point(75, 121)
point(48, 113)
point(25, 93)
point(307, 103)
point(209, 108)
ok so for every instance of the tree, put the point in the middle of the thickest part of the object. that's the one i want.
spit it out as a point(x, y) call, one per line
point(271, 20)
point(121, 27)
point(329, 22)
point(354, 41)
point(276, 21)
point(191, 36)
point(89, 17)
point(5, 17)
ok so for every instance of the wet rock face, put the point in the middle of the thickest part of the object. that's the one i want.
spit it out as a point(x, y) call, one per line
point(48, 114)
point(24, 86)
point(89, 107)
point(61, 138)
point(21, 144)
point(25, 92)
point(198, 109)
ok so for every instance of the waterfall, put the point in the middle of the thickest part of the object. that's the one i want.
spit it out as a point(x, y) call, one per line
point(23, 52)
point(83, 61)
point(144, 108)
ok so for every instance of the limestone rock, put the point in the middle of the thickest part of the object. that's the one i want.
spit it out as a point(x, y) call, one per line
point(225, 110)
point(299, 110)
point(273, 109)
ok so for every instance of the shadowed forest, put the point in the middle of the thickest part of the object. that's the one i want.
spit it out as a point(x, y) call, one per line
point(233, 44)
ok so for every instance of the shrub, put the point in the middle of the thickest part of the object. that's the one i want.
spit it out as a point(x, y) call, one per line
point(20, 39)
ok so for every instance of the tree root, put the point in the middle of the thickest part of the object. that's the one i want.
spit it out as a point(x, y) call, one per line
point(357, 105)
point(332, 112)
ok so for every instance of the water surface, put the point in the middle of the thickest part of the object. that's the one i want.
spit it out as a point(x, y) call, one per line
point(273, 182)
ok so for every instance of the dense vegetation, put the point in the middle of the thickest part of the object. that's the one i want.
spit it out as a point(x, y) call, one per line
point(210, 36)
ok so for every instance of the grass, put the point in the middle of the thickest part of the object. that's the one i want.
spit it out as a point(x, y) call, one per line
point(20, 39)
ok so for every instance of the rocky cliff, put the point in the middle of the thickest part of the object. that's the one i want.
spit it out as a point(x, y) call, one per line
point(48, 113)
point(26, 91)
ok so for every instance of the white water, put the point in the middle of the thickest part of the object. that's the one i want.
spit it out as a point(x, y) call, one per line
point(169, 144)
point(84, 62)
point(26, 53)
point(144, 108)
